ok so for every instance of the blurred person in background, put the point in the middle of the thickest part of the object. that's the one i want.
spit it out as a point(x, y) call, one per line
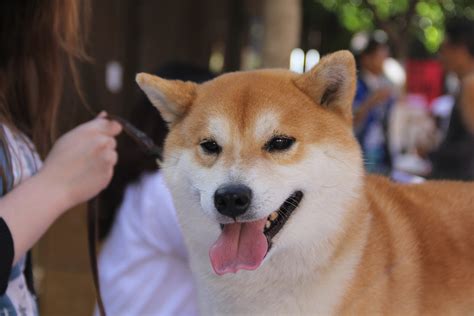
point(37, 40)
point(454, 159)
point(144, 268)
point(373, 100)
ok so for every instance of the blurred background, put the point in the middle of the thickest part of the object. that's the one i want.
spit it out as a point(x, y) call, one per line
point(131, 36)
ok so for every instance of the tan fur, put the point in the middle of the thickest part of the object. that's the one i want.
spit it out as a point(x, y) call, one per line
point(420, 254)
point(412, 245)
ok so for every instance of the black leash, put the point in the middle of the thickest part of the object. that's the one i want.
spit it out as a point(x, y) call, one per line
point(92, 238)
point(143, 140)
point(146, 144)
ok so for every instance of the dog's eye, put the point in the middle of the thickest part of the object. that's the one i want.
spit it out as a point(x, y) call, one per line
point(210, 147)
point(279, 143)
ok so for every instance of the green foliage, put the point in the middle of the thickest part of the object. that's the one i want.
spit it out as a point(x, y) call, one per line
point(425, 21)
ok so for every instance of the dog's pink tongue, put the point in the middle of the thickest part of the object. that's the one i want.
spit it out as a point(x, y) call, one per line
point(240, 246)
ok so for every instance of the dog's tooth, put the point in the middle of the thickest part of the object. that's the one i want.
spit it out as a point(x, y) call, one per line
point(268, 224)
point(273, 216)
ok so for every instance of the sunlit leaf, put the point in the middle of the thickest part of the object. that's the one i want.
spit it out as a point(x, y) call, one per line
point(428, 23)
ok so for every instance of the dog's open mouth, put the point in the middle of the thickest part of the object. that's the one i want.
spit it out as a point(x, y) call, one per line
point(244, 245)
point(277, 219)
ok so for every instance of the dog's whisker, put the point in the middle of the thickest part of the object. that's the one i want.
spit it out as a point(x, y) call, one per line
point(328, 186)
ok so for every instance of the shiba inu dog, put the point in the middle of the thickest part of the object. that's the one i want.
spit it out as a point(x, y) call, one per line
point(278, 215)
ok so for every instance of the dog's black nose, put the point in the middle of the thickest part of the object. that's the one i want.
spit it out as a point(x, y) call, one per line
point(232, 200)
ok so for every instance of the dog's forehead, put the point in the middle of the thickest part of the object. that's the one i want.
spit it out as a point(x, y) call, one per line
point(224, 129)
point(246, 100)
point(246, 89)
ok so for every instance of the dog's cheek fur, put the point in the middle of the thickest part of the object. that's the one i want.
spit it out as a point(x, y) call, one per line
point(334, 182)
point(181, 173)
point(330, 178)
point(198, 183)
point(188, 171)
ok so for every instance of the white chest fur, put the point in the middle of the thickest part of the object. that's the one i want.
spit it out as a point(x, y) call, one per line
point(288, 282)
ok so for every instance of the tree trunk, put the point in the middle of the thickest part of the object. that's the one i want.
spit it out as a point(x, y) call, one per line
point(282, 26)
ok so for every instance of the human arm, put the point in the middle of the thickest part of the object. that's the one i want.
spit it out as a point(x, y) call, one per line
point(376, 98)
point(78, 167)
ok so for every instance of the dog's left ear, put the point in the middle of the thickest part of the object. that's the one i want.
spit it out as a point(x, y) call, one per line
point(171, 97)
point(331, 83)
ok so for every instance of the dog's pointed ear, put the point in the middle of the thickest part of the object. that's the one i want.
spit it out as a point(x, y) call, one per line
point(171, 97)
point(331, 83)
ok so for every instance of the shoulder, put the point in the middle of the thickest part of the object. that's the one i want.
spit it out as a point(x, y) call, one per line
point(147, 215)
point(468, 89)
point(469, 80)
point(144, 191)
point(153, 191)
point(467, 102)
point(149, 202)
point(6, 169)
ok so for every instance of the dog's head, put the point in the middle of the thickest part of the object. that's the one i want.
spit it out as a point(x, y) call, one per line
point(268, 156)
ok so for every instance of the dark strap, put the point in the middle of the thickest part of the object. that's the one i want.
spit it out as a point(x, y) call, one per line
point(7, 254)
point(92, 220)
point(146, 144)
point(29, 274)
point(140, 138)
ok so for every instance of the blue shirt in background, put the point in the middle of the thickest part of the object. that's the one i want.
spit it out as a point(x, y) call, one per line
point(372, 132)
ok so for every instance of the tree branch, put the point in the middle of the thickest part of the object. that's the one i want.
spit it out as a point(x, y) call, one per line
point(410, 13)
point(395, 27)
point(373, 8)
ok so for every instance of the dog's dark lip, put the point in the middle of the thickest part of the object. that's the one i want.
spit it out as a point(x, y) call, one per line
point(284, 213)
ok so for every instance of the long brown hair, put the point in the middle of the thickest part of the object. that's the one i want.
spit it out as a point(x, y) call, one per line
point(38, 38)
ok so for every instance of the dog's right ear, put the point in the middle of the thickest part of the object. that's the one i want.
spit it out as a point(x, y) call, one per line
point(171, 97)
point(331, 83)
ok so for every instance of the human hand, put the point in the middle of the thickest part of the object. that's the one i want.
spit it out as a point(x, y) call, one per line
point(81, 163)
